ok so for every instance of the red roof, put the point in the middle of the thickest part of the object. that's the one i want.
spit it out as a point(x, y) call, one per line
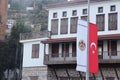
point(58, 40)
point(71, 39)
point(110, 36)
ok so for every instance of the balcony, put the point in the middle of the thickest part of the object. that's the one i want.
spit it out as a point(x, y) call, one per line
point(35, 35)
point(50, 59)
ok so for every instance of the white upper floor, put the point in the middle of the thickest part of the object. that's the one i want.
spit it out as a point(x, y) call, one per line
point(104, 8)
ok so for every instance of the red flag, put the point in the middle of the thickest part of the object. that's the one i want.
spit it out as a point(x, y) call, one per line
point(93, 49)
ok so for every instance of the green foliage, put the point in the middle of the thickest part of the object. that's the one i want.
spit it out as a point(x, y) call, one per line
point(10, 50)
point(14, 38)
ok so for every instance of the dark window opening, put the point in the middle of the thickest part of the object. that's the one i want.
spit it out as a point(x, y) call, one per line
point(55, 50)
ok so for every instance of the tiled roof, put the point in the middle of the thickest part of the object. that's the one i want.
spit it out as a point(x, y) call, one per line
point(110, 36)
point(58, 40)
point(100, 37)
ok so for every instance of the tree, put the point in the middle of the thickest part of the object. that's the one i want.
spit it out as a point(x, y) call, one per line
point(10, 50)
point(14, 44)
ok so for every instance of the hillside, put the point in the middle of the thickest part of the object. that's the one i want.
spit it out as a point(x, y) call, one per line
point(38, 16)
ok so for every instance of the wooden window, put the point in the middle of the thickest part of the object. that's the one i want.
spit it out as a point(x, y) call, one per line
point(33, 77)
point(112, 48)
point(54, 26)
point(84, 11)
point(74, 13)
point(73, 25)
point(100, 9)
point(55, 50)
point(54, 15)
point(74, 49)
point(65, 50)
point(100, 21)
point(35, 51)
point(64, 26)
point(64, 14)
point(112, 21)
point(113, 8)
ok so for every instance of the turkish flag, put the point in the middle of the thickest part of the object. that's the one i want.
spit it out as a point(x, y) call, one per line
point(93, 49)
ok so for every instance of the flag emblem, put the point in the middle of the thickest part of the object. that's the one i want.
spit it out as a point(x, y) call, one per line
point(82, 45)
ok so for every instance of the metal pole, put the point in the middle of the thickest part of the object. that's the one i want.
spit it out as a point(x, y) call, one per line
point(88, 19)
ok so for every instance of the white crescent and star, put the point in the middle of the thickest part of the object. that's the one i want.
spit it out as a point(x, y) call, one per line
point(93, 45)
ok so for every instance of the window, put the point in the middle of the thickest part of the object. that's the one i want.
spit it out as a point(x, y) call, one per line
point(64, 26)
point(84, 18)
point(112, 48)
point(54, 26)
point(55, 50)
point(64, 14)
point(74, 49)
point(35, 51)
point(74, 13)
point(100, 21)
point(65, 49)
point(112, 8)
point(100, 49)
point(112, 21)
point(100, 9)
point(73, 25)
point(84, 11)
point(33, 77)
point(54, 15)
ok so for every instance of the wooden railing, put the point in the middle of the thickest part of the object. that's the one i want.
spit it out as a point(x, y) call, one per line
point(59, 59)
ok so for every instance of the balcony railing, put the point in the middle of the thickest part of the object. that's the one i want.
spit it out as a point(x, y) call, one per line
point(35, 35)
point(59, 59)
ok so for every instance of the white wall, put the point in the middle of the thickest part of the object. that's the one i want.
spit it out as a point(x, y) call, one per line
point(93, 12)
point(27, 53)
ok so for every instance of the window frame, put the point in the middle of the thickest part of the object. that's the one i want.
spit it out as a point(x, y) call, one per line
point(35, 50)
point(100, 9)
point(64, 26)
point(64, 14)
point(55, 15)
point(73, 26)
point(54, 29)
point(74, 13)
point(100, 21)
point(112, 8)
point(85, 11)
point(112, 20)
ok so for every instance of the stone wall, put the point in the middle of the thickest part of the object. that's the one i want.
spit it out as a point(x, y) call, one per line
point(34, 73)
point(71, 74)
point(52, 73)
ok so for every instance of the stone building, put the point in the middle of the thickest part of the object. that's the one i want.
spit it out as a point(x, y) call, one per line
point(51, 55)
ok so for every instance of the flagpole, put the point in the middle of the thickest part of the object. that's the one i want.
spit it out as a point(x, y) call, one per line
point(88, 19)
